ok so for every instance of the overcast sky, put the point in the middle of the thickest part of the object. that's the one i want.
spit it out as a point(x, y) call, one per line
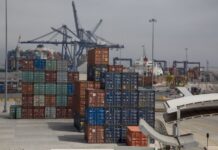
point(181, 24)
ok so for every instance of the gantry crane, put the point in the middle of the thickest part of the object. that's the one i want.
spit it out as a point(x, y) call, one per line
point(76, 41)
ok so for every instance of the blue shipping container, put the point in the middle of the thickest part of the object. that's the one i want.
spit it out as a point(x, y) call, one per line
point(129, 116)
point(39, 64)
point(2, 88)
point(95, 116)
point(70, 89)
point(113, 98)
point(113, 116)
point(112, 134)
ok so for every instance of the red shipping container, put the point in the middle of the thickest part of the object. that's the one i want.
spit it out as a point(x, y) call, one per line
point(135, 137)
point(61, 112)
point(27, 88)
point(69, 114)
point(94, 134)
point(27, 100)
point(50, 101)
point(50, 76)
point(27, 112)
point(115, 68)
point(39, 112)
point(95, 98)
point(73, 76)
point(26, 65)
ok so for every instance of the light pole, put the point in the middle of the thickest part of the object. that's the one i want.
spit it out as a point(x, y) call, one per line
point(152, 72)
point(6, 56)
point(186, 54)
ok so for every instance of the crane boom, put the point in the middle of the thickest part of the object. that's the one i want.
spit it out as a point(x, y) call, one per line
point(97, 26)
point(75, 19)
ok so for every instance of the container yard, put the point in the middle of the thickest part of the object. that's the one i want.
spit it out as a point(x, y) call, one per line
point(70, 88)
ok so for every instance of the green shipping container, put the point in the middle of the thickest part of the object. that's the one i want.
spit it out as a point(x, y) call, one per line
point(39, 88)
point(27, 76)
point(50, 89)
point(61, 101)
point(62, 89)
point(39, 77)
point(51, 65)
point(13, 111)
point(18, 112)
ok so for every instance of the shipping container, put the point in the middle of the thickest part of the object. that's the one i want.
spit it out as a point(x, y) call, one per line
point(148, 114)
point(129, 81)
point(51, 65)
point(18, 112)
point(72, 76)
point(39, 100)
point(61, 100)
point(27, 88)
point(39, 77)
point(95, 98)
point(61, 89)
point(95, 116)
point(62, 77)
point(71, 101)
point(39, 64)
point(27, 112)
point(2, 88)
point(39, 112)
point(112, 80)
point(129, 116)
point(113, 116)
point(39, 88)
point(70, 89)
point(62, 65)
point(61, 112)
point(50, 76)
point(26, 65)
point(50, 89)
point(94, 134)
point(96, 73)
point(135, 137)
point(112, 134)
point(115, 68)
point(27, 100)
point(50, 112)
point(146, 98)
point(98, 56)
point(27, 76)
point(112, 98)
point(50, 101)
point(130, 98)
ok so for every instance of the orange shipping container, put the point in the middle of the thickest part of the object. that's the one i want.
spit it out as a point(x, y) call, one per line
point(94, 134)
point(135, 137)
point(95, 98)
point(98, 56)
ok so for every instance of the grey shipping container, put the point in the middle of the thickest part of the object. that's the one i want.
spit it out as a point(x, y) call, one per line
point(39, 88)
point(50, 112)
point(62, 65)
point(62, 77)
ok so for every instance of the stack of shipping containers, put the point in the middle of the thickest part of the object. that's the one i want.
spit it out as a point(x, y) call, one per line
point(124, 103)
point(47, 89)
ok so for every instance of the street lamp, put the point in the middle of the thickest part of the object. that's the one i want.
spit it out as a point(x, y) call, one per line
point(6, 56)
point(186, 54)
point(152, 72)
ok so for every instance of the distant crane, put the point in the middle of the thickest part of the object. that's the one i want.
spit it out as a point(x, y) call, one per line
point(80, 40)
